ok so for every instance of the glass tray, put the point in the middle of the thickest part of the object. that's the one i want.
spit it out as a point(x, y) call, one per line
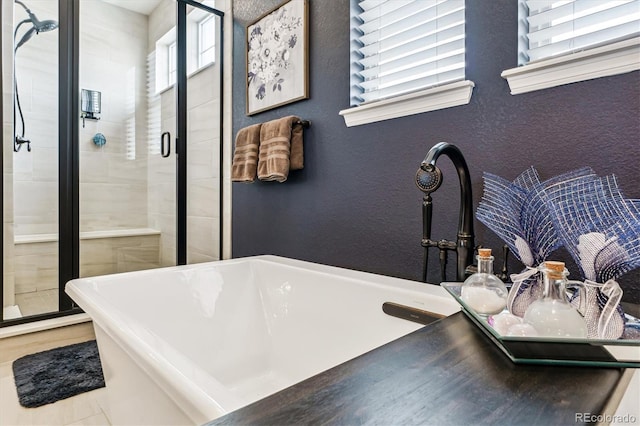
point(556, 351)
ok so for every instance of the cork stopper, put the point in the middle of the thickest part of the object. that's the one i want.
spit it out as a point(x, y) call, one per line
point(484, 252)
point(556, 269)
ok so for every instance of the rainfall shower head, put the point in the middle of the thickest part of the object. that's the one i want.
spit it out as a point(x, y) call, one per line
point(38, 26)
point(428, 178)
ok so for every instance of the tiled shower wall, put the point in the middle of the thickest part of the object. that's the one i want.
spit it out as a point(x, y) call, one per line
point(113, 177)
point(203, 208)
point(35, 173)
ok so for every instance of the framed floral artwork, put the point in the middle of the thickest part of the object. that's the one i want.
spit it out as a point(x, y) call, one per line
point(277, 57)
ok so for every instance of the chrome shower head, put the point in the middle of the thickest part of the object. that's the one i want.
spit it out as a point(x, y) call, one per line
point(44, 26)
point(38, 26)
point(428, 178)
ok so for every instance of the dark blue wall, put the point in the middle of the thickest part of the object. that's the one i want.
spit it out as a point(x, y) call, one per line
point(355, 203)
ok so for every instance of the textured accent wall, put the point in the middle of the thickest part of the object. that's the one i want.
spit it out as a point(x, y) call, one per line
point(355, 203)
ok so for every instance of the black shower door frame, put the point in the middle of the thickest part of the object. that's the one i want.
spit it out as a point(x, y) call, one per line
point(68, 151)
point(181, 125)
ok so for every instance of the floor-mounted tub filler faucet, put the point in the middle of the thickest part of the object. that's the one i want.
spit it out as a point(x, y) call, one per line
point(428, 179)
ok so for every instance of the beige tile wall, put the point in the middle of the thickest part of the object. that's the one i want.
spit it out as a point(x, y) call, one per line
point(36, 263)
point(102, 256)
point(203, 201)
point(113, 186)
point(36, 267)
point(35, 173)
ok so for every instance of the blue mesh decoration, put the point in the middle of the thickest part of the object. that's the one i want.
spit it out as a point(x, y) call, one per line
point(597, 225)
point(585, 213)
point(517, 212)
point(601, 230)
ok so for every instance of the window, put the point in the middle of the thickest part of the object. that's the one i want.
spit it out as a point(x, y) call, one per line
point(165, 61)
point(574, 40)
point(154, 105)
point(405, 50)
point(200, 52)
point(171, 63)
point(206, 41)
point(130, 114)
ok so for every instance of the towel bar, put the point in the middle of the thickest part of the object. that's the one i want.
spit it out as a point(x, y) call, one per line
point(304, 123)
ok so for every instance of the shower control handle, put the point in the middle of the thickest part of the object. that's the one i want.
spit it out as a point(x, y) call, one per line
point(166, 153)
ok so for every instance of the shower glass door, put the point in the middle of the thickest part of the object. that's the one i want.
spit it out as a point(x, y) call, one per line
point(127, 188)
point(112, 162)
point(30, 153)
point(149, 176)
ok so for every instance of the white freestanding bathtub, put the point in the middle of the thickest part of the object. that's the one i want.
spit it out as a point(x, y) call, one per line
point(187, 344)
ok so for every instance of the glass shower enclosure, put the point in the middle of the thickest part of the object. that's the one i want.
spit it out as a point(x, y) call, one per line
point(111, 144)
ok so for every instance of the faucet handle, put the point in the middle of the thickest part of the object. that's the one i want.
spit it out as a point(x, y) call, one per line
point(470, 270)
point(18, 142)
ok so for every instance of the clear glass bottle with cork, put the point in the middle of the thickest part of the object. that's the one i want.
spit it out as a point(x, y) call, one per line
point(483, 291)
point(552, 315)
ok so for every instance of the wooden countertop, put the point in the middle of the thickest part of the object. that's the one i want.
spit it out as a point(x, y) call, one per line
point(447, 373)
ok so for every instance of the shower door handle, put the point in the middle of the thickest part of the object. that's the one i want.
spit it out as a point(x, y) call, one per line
point(166, 153)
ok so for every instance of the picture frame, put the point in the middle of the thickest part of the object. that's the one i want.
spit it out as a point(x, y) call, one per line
point(277, 57)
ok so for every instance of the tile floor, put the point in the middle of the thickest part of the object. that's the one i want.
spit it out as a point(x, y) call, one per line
point(83, 409)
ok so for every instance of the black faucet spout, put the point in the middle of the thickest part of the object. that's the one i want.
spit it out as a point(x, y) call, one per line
point(465, 237)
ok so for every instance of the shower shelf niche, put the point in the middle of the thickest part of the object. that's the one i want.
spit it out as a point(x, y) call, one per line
point(90, 105)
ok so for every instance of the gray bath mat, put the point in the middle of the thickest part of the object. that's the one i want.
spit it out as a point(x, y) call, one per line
point(56, 374)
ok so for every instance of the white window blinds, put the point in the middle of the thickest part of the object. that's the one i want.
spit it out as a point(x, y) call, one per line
point(555, 27)
point(406, 45)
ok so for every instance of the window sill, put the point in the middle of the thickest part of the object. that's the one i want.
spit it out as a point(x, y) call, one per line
point(612, 59)
point(450, 95)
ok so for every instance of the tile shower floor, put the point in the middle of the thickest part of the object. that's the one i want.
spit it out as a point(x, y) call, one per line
point(37, 302)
